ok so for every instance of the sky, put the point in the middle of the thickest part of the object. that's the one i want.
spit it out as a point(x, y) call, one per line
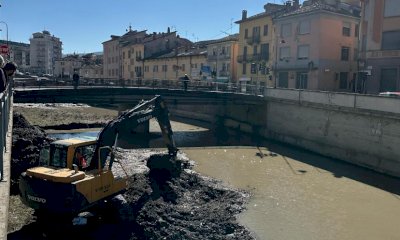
point(82, 25)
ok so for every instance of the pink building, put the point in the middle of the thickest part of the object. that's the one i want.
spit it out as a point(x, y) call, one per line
point(380, 45)
point(318, 46)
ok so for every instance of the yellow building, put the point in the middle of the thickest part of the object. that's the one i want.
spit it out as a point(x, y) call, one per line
point(256, 41)
point(132, 64)
point(176, 64)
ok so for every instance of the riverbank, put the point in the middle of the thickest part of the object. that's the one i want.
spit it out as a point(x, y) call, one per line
point(186, 206)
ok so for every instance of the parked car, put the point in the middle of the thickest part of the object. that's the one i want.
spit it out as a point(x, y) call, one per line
point(390, 94)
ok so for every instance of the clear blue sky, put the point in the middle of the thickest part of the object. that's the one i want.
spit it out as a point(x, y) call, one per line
point(82, 25)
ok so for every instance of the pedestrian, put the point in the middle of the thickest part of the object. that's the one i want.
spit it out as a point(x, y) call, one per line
point(6, 73)
point(75, 79)
point(185, 81)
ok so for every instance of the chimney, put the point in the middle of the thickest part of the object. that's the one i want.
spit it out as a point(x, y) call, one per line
point(168, 30)
point(244, 14)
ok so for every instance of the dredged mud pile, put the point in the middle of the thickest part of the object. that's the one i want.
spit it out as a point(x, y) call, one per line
point(163, 200)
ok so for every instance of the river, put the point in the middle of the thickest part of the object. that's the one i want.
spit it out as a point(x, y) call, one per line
point(295, 194)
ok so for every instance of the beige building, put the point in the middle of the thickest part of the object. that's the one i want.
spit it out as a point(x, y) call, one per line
point(45, 49)
point(222, 58)
point(256, 41)
point(380, 46)
point(176, 64)
point(92, 72)
point(65, 67)
point(124, 56)
point(317, 46)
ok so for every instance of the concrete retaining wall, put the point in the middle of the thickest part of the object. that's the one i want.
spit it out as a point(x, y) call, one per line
point(360, 129)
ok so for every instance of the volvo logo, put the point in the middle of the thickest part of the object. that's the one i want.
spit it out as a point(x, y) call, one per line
point(36, 199)
point(143, 119)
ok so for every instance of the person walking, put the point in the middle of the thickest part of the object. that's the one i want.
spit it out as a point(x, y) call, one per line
point(75, 79)
point(185, 81)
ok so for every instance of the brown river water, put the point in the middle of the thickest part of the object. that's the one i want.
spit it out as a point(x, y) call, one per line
point(295, 194)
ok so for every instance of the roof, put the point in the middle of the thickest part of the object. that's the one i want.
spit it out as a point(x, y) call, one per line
point(318, 6)
point(271, 9)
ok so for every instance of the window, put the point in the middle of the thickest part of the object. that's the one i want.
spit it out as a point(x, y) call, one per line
point(388, 80)
point(303, 51)
point(286, 30)
point(244, 52)
point(164, 68)
point(265, 51)
point(255, 50)
point(301, 80)
point(246, 33)
point(256, 31)
point(392, 8)
point(346, 29)
point(345, 54)
point(58, 156)
point(244, 68)
point(284, 53)
point(304, 27)
point(253, 68)
point(265, 30)
point(391, 40)
point(343, 80)
point(155, 68)
point(183, 67)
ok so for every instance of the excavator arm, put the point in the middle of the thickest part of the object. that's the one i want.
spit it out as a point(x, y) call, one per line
point(129, 120)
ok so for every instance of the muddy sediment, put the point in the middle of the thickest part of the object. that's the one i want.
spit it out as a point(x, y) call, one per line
point(158, 204)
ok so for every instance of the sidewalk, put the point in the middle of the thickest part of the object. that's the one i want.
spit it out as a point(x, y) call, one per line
point(5, 184)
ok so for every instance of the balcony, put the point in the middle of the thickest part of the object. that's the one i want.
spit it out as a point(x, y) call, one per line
point(383, 54)
point(218, 57)
point(253, 40)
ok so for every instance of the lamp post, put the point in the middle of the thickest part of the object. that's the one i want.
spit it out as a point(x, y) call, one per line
point(8, 53)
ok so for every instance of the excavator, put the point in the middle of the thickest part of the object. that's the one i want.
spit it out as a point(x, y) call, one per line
point(76, 174)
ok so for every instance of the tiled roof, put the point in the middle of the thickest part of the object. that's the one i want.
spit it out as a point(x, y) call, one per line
point(317, 6)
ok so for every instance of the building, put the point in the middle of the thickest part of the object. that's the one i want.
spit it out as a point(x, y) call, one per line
point(317, 46)
point(222, 58)
point(65, 67)
point(124, 55)
point(256, 40)
point(93, 73)
point(175, 64)
point(18, 53)
point(380, 45)
point(45, 49)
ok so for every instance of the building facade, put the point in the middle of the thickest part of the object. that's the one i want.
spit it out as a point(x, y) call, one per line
point(65, 67)
point(18, 53)
point(45, 49)
point(317, 46)
point(256, 41)
point(380, 45)
point(124, 56)
point(222, 58)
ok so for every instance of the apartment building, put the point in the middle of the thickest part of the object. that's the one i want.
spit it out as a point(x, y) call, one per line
point(176, 63)
point(222, 58)
point(317, 46)
point(66, 67)
point(380, 46)
point(256, 41)
point(92, 72)
point(45, 49)
point(124, 56)
point(18, 53)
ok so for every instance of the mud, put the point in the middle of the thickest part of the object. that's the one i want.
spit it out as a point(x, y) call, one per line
point(158, 204)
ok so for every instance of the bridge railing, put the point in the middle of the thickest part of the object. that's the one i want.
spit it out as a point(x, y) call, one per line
point(5, 104)
point(242, 87)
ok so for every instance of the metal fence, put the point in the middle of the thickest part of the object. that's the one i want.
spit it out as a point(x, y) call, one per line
point(5, 101)
point(242, 87)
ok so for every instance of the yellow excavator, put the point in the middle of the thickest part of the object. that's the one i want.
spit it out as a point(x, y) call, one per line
point(75, 174)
